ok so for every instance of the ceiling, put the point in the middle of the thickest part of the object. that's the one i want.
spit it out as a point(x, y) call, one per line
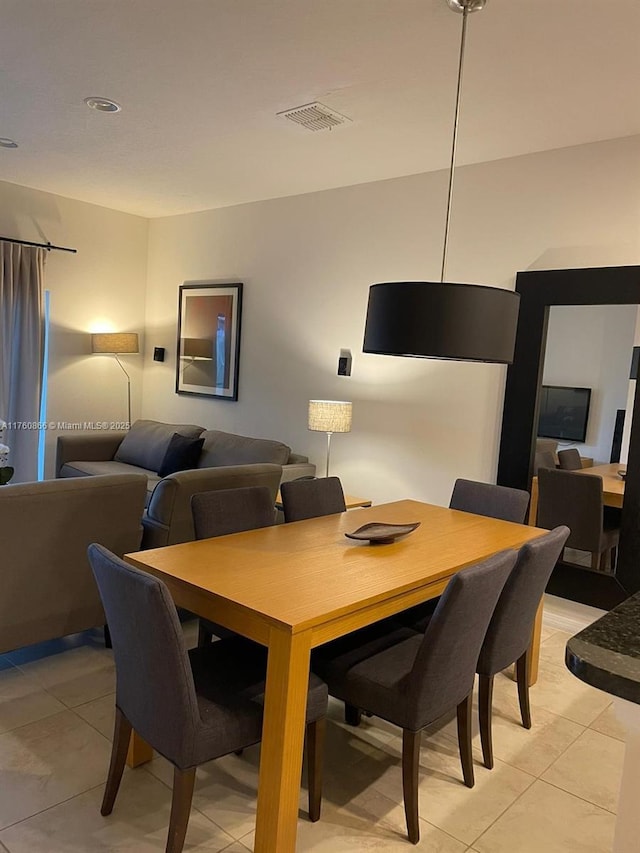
point(200, 83)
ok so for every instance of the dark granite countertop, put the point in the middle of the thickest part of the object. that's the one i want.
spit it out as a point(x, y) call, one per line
point(607, 653)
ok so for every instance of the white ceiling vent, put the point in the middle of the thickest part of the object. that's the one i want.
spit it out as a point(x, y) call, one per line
point(314, 116)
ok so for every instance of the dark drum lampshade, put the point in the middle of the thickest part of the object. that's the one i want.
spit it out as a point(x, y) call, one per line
point(430, 319)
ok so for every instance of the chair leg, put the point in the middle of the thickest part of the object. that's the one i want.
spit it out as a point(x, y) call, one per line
point(107, 637)
point(183, 782)
point(119, 747)
point(352, 715)
point(315, 757)
point(204, 636)
point(485, 702)
point(523, 666)
point(464, 739)
point(410, 764)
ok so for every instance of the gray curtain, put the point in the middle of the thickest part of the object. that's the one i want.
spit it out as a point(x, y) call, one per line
point(21, 353)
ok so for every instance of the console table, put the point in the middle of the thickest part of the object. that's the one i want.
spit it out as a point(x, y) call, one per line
point(351, 501)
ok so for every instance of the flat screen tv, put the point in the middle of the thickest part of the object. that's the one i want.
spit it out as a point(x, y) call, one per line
point(564, 413)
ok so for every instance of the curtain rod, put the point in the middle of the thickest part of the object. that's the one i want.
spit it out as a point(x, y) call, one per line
point(47, 246)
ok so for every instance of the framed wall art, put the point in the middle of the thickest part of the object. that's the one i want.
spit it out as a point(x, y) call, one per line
point(209, 339)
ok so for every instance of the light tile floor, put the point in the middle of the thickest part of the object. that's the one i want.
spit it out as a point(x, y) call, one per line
point(553, 788)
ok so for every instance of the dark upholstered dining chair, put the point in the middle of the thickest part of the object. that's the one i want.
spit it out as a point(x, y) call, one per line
point(487, 499)
point(416, 680)
point(575, 500)
point(508, 638)
point(191, 707)
point(569, 460)
point(543, 459)
point(219, 513)
point(312, 498)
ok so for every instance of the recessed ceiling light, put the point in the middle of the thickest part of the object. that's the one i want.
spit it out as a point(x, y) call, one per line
point(5, 142)
point(103, 105)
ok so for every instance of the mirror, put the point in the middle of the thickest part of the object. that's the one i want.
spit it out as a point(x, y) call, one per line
point(597, 308)
point(588, 353)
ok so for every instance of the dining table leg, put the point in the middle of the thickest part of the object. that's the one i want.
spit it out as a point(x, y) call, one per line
point(139, 751)
point(282, 741)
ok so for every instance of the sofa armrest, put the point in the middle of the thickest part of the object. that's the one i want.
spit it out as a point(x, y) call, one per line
point(168, 515)
point(87, 447)
point(297, 470)
point(48, 588)
point(296, 458)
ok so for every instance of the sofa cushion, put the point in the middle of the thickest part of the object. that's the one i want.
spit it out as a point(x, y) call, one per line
point(147, 441)
point(225, 448)
point(183, 453)
point(90, 469)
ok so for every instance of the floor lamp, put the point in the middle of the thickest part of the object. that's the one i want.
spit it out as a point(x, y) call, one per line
point(329, 416)
point(116, 343)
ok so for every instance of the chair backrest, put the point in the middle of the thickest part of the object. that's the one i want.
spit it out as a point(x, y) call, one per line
point(169, 519)
point(311, 498)
point(569, 460)
point(493, 501)
point(543, 459)
point(574, 500)
point(232, 511)
point(511, 625)
point(445, 666)
point(155, 689)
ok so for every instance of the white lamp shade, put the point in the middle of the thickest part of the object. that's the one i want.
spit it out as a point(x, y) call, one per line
point(330, 415)
point(114, 342)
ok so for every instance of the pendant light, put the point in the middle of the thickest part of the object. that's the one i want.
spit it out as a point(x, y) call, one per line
point(427, 319)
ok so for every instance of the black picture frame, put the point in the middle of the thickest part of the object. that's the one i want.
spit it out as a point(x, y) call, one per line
point(539, 290)
point(208, 347)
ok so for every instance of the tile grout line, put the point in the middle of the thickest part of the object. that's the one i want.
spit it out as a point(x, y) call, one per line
point(145, 768)
point(578, 797)
point(48, 808)
point(560, 788)
point(534, 779)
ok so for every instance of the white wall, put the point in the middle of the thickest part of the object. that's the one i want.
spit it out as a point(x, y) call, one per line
point(631, 395)
point(307, 263)
point(101, 288)
point(590, 346)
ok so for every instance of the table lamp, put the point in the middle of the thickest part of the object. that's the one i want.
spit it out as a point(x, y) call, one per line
point(329, 416)
point(114, 343)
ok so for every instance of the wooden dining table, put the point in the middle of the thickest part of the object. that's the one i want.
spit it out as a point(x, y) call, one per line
point(295, 586)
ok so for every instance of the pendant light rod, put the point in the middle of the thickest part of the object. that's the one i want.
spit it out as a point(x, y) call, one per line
point(454, 143)
point(434, 319)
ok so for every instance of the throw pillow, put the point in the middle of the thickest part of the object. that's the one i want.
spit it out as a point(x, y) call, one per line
point(146, 442)
point(183, 453)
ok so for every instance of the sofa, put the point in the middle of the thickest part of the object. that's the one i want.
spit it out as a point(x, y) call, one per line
point(48, 590)
point(224, 461)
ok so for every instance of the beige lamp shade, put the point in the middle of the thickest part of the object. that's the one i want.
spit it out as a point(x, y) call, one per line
point(330, 416)
point(114, 342)
point(197, 348)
